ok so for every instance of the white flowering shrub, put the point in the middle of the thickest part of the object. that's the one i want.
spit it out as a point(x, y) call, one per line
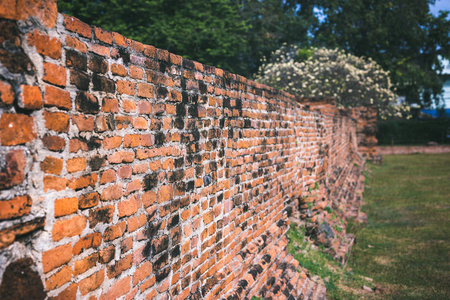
point(321, 72)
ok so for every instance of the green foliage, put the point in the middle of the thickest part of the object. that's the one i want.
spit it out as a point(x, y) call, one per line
point(413, 132)
point(212, 32)
point(351, 80)
point(401, 35)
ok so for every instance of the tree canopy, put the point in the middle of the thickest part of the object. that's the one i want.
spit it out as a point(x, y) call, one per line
point(400, 35)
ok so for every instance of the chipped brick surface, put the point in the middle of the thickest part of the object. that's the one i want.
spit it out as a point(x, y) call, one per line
point(128, 171)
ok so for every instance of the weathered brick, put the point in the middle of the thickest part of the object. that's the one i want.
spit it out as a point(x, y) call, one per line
point(75, 25)
point(56, 257)
point(68, 228)
point(121, 156)
point(45, 45)
point(120, 266)
point(54, 74)
point(53, 143)
point(92, 240)
point(142, 272)
point(88, 200)
point(59, 278)
point(135, 223)
point(65, 206)
point(165, 194)
point(107, 254)
point(101, 215)
point(6, 93)
point(52, 165)
point(79, 79)
point(57, 97)
point(126, 87)
point(13, 172)
point(129, 207)
point(108, 176)
point(15, 207)
point(54, 183)
point(136, 72)
point(129, 105)
point(76, 60)
point(103, 35)
point(92, 282)
point(113, 232)
point(118, 289)
point(120, 70)
point(83, 123)
point(145, 90)
point(57, 121)
point(83, 265)
point(31, 97)
point(68, 293)
point(99, 49)
point(76, 164)
point(110, 105)
point(83, 182)
point(98, 64)
point(104, 84)
point(75, 43)
point(87, 103)
point(112, 193)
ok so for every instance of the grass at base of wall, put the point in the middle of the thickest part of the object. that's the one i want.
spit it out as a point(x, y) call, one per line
point(406, 245)
point(341, 282)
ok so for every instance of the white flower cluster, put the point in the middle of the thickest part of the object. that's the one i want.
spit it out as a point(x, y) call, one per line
point(351, 80)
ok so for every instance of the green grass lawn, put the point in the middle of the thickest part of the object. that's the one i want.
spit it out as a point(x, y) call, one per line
point(405, 247)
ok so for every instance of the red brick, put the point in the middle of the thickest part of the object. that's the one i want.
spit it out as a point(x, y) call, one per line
point(84, 123)
point(99, 49)
point(126, 87)
point(142, 272)
point(75, 25)
point(101, 215)
point(119, 39)
point(69, 293)
point(31, 97)
point(52, 165)
point(112, 193)
point(75, 43)
point(92, 240)
point(83, 265)
point(76, 164)
point(65, 206)
point(175, 59)
point(133, 186)
point(15, 207)
point(68, 228)
point(120, 266)
point(57, 97)
point(129, 207)
point(107, 254)
point(129, 106)
point(56, 257)
point(54, 183)
point(45, 45)
point(55, 74)
point(103, 35)
point(108, 176)
point(144, 107)
point(136, 72)
point(57, 121)
point(59, 278)
point(119, 288)
point(110, 105)
point(83, 181)
point(165, 194)
point(145, 90)
point(149, 51)
point(6, 93)
point(121, 156)
point(134, 223)
point(120, 70)
point(122, 122)
point(125, 172)
point(126, 245)
point(13, 173)
point(88, 200)
point(113, 232)
point(53, 143)
point(140, 123)
point(131, 140)
point(76, 144)
point(92, 282)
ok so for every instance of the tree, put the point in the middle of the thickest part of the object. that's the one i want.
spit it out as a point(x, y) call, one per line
point(352, 81)
point(401, 35)
point(212, 32)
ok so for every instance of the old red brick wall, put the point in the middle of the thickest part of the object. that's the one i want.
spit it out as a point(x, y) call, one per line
point(130, 171)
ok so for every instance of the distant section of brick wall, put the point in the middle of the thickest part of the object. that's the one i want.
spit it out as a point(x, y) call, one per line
point(130, 171)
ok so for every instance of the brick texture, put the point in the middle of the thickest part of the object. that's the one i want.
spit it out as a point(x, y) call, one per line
point(133, 172)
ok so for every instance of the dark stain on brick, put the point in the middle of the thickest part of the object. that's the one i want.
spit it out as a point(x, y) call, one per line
point(150, 181)
point(76, 60)
point(20, 281)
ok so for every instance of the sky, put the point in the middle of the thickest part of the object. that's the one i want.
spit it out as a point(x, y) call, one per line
point(440, 5)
